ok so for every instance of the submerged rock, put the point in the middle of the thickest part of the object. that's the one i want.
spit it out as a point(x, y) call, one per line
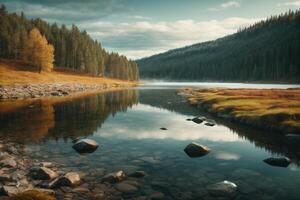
point(196, 150)
point(126, 188)
point(223, 188)
point(42, 173)
point(278, 162)
point(85, 146)
point(137, 174)
point(163, 128)
point(69, 179)
point(157, 196)
point(114, 177)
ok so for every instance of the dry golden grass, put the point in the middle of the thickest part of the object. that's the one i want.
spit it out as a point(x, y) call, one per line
point(271, 107)
point(13, 72)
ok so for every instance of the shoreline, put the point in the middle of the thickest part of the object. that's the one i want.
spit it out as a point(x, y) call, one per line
point(36, 91)
point(22, 176)
point(252, 107)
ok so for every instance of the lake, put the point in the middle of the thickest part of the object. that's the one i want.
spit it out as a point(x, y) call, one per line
point(127, 124)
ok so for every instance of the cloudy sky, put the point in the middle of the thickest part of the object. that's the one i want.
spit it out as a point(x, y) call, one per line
point(138, 28)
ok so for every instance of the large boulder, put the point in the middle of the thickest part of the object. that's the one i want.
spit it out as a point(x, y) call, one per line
point(224, 188)
point(114, 177)
point(196, 150)
point(278, 162)
point(69, 179)
point(42, 173)
point(86, 146)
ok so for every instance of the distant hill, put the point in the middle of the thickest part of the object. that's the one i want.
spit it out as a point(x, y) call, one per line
point(266, 51)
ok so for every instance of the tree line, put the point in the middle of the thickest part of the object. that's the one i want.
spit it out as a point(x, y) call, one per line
point(266, 51)
point(73, 49)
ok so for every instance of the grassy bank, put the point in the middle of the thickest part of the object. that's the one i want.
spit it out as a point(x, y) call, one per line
point(270, 109)
point(14, 72)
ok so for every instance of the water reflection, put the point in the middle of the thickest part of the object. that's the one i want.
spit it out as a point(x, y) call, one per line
point(150, 119)
point(37, 120)
point(127, 126)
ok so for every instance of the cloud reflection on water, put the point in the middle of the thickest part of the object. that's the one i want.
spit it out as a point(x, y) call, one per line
point(144, 122)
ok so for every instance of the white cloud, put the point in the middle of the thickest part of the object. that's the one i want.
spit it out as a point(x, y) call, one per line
point(139, 17)
point(144, 38)
point(295, 3)
point(225, 5)
point(230, 4)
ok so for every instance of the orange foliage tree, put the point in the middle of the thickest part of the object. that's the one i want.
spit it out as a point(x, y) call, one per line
point(38, 52)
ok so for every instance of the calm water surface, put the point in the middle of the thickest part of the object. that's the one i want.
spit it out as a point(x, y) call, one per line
point(127, 125)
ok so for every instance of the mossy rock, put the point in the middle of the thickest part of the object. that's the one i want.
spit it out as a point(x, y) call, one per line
point(33, 195)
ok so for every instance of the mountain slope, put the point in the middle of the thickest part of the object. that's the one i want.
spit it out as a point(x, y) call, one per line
point(266, 51)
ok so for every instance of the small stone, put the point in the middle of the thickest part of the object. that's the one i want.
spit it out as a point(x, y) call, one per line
point(114, 177)
point(196, 150)
point(197, 120)
point(210, 123)
point(85, 146)
point(125, 188)
point(5, 177)
point(42, 173)
point(69, 179)
point(8, 162)
point(8, 190)
point(157, 196)
point(80, 190)
point(278, 162)
point(137, 174)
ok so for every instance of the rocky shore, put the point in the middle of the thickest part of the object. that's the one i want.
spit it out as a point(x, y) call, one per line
point(20, 174)
point(25, 91)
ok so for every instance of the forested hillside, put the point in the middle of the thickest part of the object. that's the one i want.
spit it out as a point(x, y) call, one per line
point(73, 49)
point(266, 51)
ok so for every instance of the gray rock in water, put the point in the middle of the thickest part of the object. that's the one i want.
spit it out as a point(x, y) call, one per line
point(197, 120)
point(42, 173)
point(114, 177)
point(137, 174)
point(126, 188)
point(224, 188)
point(85, 146)
point(210, 123)
point(196, 150)
point(69, 179)
point(8, 190)
point(278, 162)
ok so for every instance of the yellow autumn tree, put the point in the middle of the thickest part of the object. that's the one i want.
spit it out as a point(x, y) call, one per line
point(38, 52)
